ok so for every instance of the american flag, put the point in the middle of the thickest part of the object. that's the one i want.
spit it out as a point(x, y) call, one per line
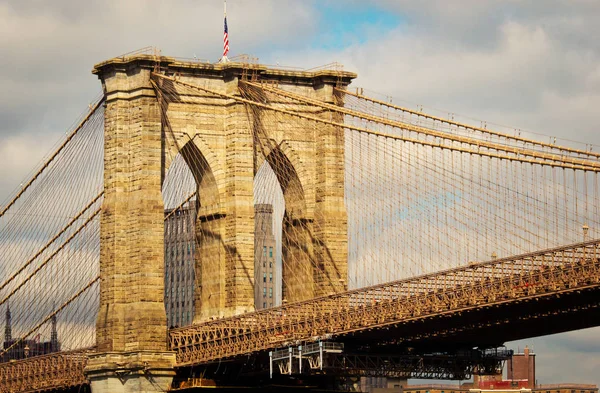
point(225, 36)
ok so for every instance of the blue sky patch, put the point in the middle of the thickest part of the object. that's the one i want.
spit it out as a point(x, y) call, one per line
point(343, 26)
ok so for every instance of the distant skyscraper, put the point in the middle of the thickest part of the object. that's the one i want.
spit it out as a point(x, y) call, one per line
point(8, 325)
point(54, 335)
point(22, 348)
point(265, 270)
point(180, 247)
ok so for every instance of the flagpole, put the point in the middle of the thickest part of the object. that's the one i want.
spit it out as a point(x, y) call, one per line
point(224, 59)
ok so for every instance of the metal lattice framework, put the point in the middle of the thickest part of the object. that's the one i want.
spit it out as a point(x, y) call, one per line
point(56, 371)
point(535, 275)
point(532, 276)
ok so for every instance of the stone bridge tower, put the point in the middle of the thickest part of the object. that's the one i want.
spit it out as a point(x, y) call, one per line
point(214, 134)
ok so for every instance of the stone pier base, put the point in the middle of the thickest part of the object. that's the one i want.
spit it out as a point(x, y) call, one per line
point(129, 372)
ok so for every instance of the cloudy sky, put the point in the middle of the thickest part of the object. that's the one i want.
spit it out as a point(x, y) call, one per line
point(532, 65)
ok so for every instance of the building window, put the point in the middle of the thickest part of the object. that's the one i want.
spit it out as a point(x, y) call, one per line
point(264, 277)
point(270, 252)
point(270, 264)
point(270, 304)
point(264, 291)
point(264, 251)
point(270, 292)
point(264, 304)
point(270, 277)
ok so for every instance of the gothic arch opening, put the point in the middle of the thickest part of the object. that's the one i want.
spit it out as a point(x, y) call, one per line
point(193, 238)
point(277, 184)
point(269, 207)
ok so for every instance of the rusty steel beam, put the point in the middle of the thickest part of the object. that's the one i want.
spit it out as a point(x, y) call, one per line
point(502, 281)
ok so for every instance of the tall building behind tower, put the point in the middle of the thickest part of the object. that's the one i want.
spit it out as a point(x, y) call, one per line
point(180, 247)
point(265, 271)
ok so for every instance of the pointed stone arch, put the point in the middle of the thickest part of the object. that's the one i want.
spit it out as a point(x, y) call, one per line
point(210, 252)
point(297, 252)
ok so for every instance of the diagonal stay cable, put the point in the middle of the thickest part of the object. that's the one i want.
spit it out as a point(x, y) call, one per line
point(66, 242)
point(52, 157)
point(180, 205)
point(429, 132)
point(468, 126)
point(439, 145)
point(45, 247)
point(65, 304)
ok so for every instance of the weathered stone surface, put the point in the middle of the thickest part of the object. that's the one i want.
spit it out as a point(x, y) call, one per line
point(127, 372)
point(215, 137)
point(131, 315)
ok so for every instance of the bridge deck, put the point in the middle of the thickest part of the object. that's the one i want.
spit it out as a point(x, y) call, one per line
point(543, 274)
point(533, 275)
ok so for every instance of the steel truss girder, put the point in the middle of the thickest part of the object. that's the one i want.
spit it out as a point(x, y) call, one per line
point(512, 280)
point(509, 280)
point(42, 373)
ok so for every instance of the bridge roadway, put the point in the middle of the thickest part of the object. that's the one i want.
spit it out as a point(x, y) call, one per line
point(482, 304)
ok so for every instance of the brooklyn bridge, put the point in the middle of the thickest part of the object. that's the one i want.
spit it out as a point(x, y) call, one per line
point(405, 236)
